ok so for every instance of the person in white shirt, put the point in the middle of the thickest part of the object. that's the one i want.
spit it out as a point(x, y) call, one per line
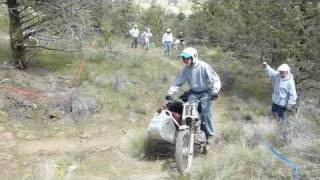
point(134, 32)
point(146, 35)
point(167, 41)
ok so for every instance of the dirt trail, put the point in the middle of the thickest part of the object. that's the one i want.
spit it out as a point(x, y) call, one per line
point(62, 145)
point(105, 141)
point(107, 149)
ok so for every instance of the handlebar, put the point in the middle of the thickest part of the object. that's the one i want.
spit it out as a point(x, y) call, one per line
point(171, 98)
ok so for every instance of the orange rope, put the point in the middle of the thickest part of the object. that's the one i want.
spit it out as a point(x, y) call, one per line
point(82, 66)
point(80, 70)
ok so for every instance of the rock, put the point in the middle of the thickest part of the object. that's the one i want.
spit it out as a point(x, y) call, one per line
point(102, 80)
point(30, 137)
point(120, 82)
point(83, 105)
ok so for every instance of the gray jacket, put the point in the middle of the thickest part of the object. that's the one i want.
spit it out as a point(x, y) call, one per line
point(201, 77)
point(284, 92)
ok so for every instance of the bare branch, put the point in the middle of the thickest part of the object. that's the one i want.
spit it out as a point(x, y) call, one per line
point(32, 33)
point(40, 22)
point(31, 19)
point(29, 14)
point(53, 49)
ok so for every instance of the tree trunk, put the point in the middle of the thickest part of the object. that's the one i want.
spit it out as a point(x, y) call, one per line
point(16, 35)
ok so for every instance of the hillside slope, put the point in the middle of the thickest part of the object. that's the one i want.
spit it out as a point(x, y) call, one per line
point(52, 129)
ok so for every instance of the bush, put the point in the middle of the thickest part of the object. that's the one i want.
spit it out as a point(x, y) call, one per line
point(57, 61)
point(4, 21)
point(139, 145)
point(240, 162)
point(230, 133)
point(5, 54)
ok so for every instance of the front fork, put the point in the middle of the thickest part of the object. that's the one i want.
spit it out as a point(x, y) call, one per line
point(192, 137)
point(191, 144)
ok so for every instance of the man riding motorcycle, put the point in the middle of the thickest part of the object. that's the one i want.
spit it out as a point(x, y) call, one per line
point(204, 84)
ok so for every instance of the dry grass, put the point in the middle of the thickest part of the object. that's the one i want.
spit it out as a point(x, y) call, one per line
point(240, 162)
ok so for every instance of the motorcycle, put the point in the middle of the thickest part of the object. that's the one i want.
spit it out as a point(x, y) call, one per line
point(179, 123)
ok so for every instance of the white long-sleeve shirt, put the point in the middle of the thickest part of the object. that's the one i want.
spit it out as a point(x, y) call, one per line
point(284, 89)
point(146, 35)
point(167, 37)
point(134, 32)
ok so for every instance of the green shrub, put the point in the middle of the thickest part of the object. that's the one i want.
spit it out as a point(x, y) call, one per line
point(4, 20)
point(57, 61)
point(5, 54)
point(153, 18)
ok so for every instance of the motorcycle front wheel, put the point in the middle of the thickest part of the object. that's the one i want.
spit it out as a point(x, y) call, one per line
point(184, 152)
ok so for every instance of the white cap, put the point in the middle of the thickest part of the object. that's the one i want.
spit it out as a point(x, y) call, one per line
point(135, 25)
point(168, 30)
point(284, 67)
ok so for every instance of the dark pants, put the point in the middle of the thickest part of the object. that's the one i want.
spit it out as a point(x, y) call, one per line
point(134, 43)
point(278, 111)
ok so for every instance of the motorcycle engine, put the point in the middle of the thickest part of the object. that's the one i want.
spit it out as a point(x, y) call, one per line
point(200, 137)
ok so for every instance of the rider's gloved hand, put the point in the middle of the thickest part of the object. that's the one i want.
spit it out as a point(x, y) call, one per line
point(168, 97)
point(213, 95)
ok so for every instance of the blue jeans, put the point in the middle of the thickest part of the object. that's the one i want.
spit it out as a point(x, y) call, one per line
point(278, 111)
point(206, 113)
point(167, 48)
